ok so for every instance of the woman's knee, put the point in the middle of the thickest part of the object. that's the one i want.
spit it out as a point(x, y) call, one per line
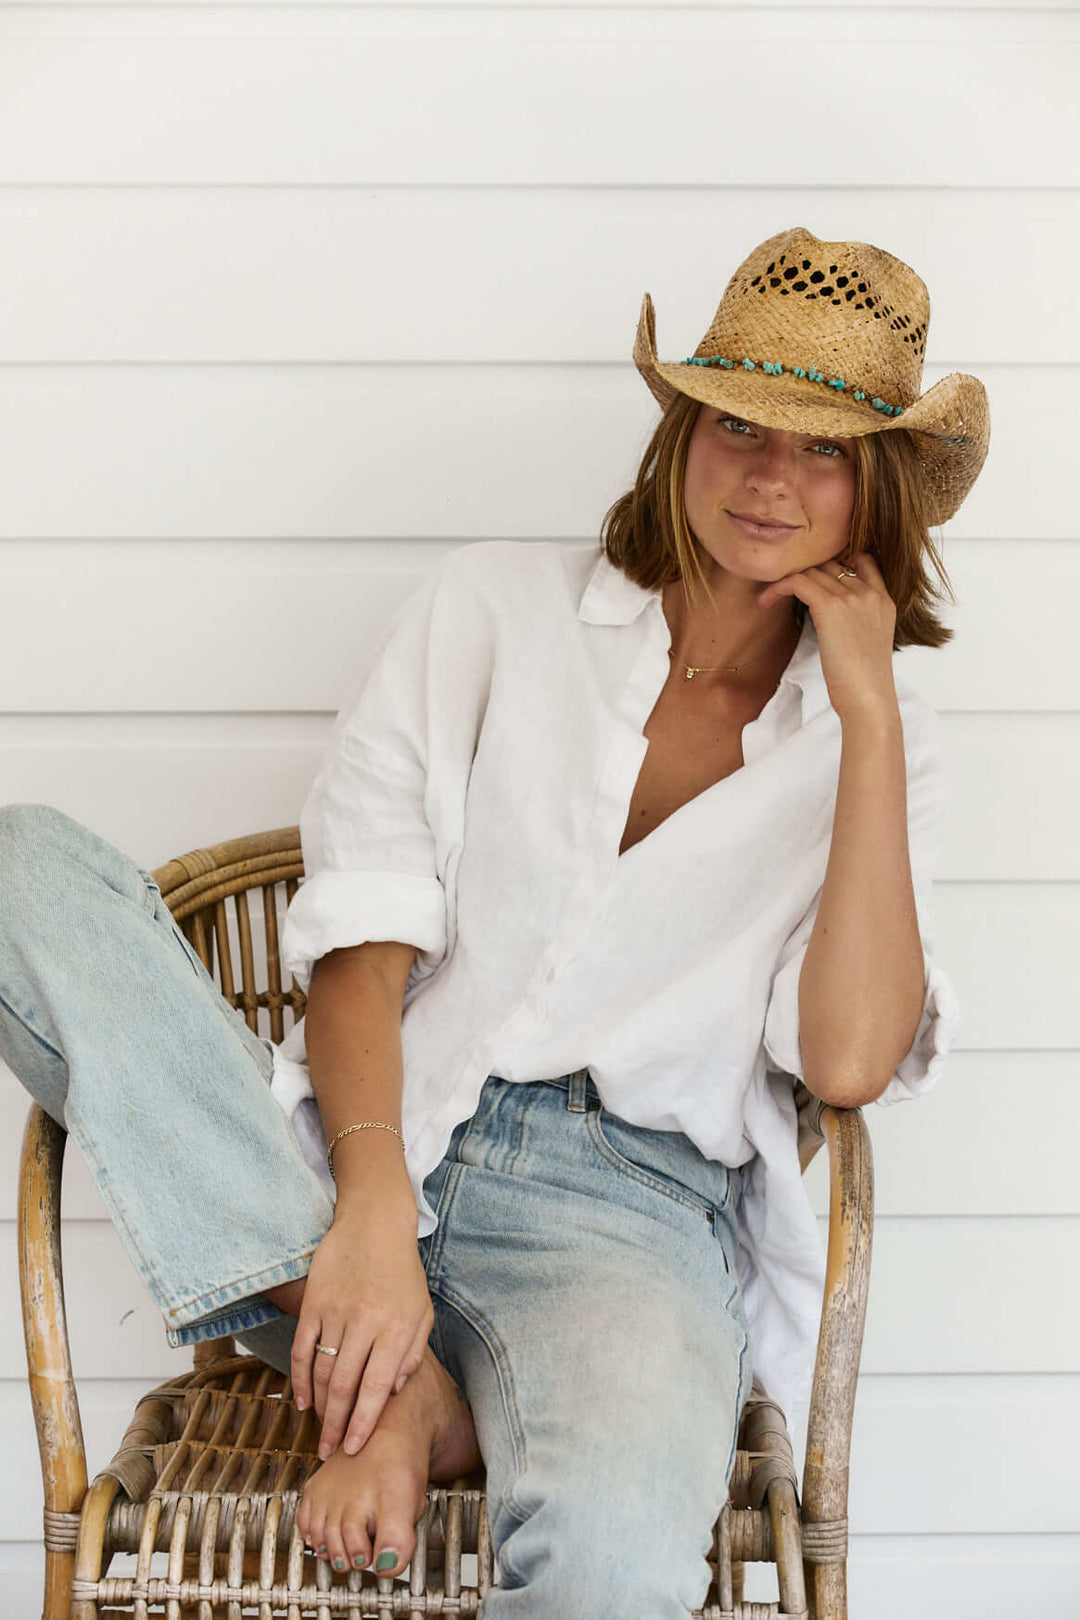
point(32, 836)
point(42, 847)
point(24, 826)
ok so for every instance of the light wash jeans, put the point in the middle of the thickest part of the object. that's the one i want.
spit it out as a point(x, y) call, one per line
point(582, 1271)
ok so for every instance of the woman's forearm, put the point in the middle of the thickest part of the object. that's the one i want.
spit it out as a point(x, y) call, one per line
point(353, 1035)
point(861, 987)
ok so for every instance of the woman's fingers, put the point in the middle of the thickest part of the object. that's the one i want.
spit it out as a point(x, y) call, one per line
point(376, 1386)
point(336, 1386)
point(414, 1357)
point(303, 1351)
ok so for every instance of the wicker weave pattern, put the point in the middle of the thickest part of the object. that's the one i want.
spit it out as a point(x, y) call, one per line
point(212, 1467)
point(230, 1455)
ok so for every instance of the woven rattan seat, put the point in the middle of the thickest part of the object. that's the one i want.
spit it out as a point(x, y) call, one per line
point(204, 1486)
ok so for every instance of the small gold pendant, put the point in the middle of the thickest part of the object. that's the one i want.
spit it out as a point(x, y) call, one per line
point(689, 673)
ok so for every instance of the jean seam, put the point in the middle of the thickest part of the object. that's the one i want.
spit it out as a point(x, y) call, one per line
point(501, 1362)
point(441, 1211)
point(505, 1556)
point(33, 1034)
point(600, 1142)
point(253, 1277)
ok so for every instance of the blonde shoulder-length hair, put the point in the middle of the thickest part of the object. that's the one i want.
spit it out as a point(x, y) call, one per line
point(645, 532)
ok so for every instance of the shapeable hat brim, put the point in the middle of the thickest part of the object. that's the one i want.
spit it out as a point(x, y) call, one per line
point(951, 420)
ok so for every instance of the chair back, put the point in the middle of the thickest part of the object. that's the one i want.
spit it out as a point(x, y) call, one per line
point(208, 892)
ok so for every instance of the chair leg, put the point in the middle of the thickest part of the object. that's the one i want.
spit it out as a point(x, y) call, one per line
point(787, 1547)
point(48, 1357)
point(90, 1554)
point(826, 1588)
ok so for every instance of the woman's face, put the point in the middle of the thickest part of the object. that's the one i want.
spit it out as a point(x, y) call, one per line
point(802, 479)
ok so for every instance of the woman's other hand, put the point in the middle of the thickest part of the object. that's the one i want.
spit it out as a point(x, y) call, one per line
point(366, 1295)
point(367, 1298)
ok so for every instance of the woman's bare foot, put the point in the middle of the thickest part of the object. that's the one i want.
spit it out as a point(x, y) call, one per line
point(362, 1509)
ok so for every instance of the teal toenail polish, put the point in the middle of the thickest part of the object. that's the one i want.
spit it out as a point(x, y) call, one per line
point(339, 1563)
point(359, 1560)
point(321, 1553)
point(387, 1559)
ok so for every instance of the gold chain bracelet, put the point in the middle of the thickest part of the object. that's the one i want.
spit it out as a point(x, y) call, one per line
point(367, 1125)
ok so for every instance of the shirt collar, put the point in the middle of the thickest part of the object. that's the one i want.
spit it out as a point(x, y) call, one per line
point(612, 597)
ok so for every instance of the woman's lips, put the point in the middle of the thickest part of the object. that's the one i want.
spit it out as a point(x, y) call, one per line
point(762, 531)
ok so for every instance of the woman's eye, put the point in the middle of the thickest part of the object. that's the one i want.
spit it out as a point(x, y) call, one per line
point(736, 422)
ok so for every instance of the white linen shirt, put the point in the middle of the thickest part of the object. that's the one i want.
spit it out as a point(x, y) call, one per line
point(471, 802)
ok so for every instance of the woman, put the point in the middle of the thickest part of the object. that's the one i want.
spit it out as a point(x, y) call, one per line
point(609, 848)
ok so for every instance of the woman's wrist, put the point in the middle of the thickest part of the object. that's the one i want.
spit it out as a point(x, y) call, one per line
point(372, 1175)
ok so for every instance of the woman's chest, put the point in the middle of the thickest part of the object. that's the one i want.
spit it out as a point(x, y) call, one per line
point(694, 740)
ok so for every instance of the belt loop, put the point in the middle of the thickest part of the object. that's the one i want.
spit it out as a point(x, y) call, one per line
point(575, 1098)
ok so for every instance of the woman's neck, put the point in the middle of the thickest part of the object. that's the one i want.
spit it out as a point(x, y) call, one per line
point(705, 634)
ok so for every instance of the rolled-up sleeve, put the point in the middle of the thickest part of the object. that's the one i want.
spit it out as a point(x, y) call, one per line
point(930, 784)
point(383, 821)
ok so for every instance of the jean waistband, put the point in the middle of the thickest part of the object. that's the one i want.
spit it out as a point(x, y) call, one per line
point(580, 1088)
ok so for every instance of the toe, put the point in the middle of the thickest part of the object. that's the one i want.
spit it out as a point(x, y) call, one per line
point(395, 1536)
point(354, 1534)
point(310, 1519)
point(335, 1545)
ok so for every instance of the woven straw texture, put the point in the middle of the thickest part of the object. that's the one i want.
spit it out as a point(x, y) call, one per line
point(853, 320)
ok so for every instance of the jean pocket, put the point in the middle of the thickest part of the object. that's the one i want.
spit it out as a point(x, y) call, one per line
point(663, 1160)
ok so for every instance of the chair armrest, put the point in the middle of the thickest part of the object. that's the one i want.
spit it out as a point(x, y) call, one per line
point(48, 1357)
point(843, 1314)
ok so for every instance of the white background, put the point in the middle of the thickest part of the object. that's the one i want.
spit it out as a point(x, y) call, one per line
point(294, 298)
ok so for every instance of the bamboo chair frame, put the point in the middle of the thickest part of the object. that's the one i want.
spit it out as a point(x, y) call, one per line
point(213, 1463)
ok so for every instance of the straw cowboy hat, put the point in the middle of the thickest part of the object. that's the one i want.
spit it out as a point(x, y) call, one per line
point(829, 337)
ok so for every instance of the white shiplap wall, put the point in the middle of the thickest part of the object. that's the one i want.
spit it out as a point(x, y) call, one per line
point(294, 298)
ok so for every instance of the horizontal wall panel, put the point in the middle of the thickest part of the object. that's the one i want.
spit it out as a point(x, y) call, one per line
point(950, 1296)
point(953, 1151)
point(158, 799)
point(451, 19)
point(755, 11)
point(1010, 950)
point(950, 1153)
point(114, 1327)
point(996, 826)
point(962, 1455)
point(393, 451)
point(973, 1294)
point(262, 275)
point(262, 628)
point(929, 1456)
point(950, 1577)
point(160, 784)
point(567, 110)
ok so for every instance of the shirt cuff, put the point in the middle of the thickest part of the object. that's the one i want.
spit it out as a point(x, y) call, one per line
point(936, 1034)
point(332, 910)
point(919, 1070)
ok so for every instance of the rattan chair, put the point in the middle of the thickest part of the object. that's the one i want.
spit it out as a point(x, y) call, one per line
point(211, 1468)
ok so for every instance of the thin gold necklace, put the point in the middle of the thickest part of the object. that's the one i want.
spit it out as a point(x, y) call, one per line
point(713, 669)
point(731, 669)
